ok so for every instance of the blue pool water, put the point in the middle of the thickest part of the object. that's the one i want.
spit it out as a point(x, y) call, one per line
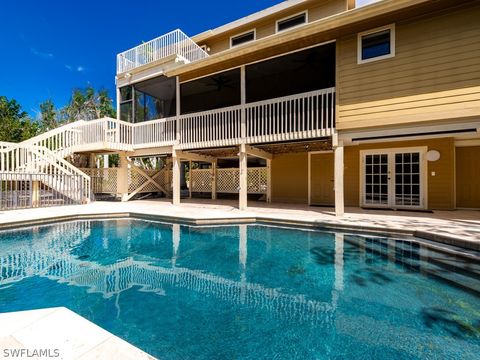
point(248, 292)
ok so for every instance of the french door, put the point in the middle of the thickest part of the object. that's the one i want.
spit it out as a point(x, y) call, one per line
point(393, 178)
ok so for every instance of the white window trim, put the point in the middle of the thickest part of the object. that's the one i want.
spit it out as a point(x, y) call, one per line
point(390, 27)
point(243, 33)
point(291, 16)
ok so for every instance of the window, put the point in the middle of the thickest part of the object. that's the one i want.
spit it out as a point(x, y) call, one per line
point(292, 21)
point(148, 100)
point(376, 44)
point(242, 38)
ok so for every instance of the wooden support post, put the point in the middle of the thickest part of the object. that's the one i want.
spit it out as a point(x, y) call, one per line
point(339, 197)
point(214, 180)
point(176, 178)
point(243, 181)
point(243, 101)
point(35, 193)
point(92, 161)
point(269, 181)
point(190, 179)
point(122, 177)
point(105, 162)
point(178, 112)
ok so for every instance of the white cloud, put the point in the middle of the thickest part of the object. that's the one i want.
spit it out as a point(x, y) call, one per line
point(43, 55)
point(78, 68)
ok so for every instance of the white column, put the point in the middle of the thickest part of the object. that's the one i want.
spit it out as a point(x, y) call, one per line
point(243, 100)
point(242, 194)
point(176, 178)
point(105, 162)
point(118, 103)
point(190, 179)
point(214, 180)
point(122, 177)
point(269, 181)
point(177, 99)
point(339, 197)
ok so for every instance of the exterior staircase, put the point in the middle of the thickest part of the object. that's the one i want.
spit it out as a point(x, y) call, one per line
point(43, 156)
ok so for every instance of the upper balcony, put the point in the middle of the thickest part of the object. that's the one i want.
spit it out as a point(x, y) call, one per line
point(175, 43)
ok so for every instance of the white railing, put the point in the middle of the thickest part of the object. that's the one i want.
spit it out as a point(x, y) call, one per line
point(300, 116)
point(60, 175)
point(159, 132)
point(211, 128)
point(173, 43)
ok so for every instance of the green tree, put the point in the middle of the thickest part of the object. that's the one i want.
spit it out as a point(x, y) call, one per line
point(15, 124)
point(88, 104)
point(48, 116)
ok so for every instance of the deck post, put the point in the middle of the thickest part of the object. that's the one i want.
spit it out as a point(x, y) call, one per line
point(269, 181)
point(122, 177)
point(338, 175)
point(190, 179)
point(178, 112)
point(243, 101)
point(176, 178)
point(105, 162)
point(243, 182)
point(214, 180)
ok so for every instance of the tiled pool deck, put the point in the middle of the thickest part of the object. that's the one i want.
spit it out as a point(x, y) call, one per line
point(79, 339)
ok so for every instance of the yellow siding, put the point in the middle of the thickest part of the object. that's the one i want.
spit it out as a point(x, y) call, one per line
point(290, 178)
point(434, 75)
point(468, 177)
point(266, 27)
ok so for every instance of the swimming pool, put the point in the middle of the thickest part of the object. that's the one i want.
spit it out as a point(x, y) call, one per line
point(248, 291)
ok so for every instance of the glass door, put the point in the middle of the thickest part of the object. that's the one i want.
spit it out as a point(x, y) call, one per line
point(392, 179)
point(376, 180)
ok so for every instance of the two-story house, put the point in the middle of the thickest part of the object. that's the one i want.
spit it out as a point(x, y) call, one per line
point(372, 106)
point(321, 102)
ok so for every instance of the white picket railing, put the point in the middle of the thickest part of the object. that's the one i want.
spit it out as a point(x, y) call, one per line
point(159, 132)
point(173, 43)
point(211, 128)
point(301, 116)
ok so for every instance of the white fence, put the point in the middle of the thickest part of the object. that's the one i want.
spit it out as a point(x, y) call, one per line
point(173, 43)
point(29, 190)
point(227, 180)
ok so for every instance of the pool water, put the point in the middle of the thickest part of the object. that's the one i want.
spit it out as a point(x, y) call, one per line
point(248, 292)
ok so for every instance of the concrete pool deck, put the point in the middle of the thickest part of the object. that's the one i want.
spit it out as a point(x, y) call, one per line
point(460, 228)
point(62, 334)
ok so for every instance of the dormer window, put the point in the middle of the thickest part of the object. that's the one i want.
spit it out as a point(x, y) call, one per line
point(376, 44)
point(242, 38)
point(292, 21)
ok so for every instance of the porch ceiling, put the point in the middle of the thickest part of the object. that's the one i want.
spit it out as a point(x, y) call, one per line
point(274, 148)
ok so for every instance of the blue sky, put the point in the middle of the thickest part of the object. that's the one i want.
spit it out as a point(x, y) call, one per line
point(50, 47)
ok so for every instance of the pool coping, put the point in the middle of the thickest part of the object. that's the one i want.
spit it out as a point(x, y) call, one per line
point(248, 219)
point(26, 333)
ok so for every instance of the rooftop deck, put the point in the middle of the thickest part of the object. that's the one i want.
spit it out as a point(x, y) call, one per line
point(174, 43)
